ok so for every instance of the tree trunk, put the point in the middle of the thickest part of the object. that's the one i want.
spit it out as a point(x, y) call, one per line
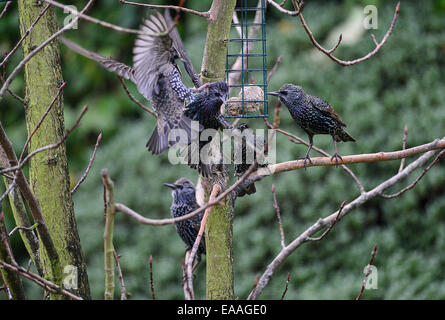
point(48, 171)
point(219, 228)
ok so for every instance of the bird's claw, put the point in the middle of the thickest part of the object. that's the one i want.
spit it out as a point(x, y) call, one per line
point(336, 156)
point(306, 159)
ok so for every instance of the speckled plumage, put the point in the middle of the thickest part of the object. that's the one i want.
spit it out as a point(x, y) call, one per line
point(156, 76)
point(158, 79)
point(205, 107)
point(184, 202)
point(243, 159)
point(314, 115)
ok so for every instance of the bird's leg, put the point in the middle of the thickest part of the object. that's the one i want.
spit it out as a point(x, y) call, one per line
point(198, 261)
point(306, 157)
point(336, 155)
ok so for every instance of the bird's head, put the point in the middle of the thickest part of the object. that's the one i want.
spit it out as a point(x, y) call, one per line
point(217, 92)
point(288, 93)
point(182, 189)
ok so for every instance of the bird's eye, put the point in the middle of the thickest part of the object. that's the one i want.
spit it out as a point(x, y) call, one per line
point(284, 93)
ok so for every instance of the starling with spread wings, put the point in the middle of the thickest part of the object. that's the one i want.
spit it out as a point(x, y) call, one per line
point(157, 78)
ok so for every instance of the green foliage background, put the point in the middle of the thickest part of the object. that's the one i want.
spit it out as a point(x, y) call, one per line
point(402, 85)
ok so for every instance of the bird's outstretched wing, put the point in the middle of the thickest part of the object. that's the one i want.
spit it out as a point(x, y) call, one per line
point(117, 67)
point(153, 54)
point(183, 56)
point(324, 107)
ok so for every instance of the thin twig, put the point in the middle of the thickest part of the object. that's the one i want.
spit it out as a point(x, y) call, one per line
point(121, 276)
point(45, 284)
point(160, 222)
point(108, 235)
point(368, 272)
point(298, 140)
point(177, 8)
point(413, 184)
point(20, 165)
point(132, 97)
point(321, 223)
point(25, 60)
point(405, 135)
point(81, 15)
point(152, 286)
point(22, 228)
point(278, 211)
point(28, 140)
point(329, 52)
point(188, 294)
point(90, 164)
point(287, 286)
point(27, 32)
point(279, 7)
point(5, 8)
point(330, 226)
point(215, 191)
point(274, 68)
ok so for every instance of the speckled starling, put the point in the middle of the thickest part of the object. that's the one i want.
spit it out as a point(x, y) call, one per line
point(184, 202)
point(243, 160)
point(314, 115)
point(157, 77)
point(205, 107)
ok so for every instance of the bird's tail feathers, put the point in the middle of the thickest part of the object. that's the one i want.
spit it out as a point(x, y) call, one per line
point(343, 135)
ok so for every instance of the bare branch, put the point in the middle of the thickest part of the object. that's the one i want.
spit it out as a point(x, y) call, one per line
point(160, 222)
point(22, 228)
point(321, 223)
point(331, 225)
point(152, 286)
point(215, 190)
point(374, 252)
point(287, 286)
point(279, 7)
point(90, 164)
point(329, 52)
point(121, 277)
point(40, 47)
point(413, 184)
point(297, 140)
point(359, 158)
point(20, 165)
point(108, 235)
point(45, 284)
point(278, 211)
point(274, 68)
point(5, 8)
point(27, 32)
point(34, 206)
point(405, 135)
point(85, 17)
point(28, 140)
point(131, 96)
point(177, 8)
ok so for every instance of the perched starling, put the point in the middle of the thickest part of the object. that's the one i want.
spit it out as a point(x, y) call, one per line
point(245, 158)
point(314, 115)
point(157, 77)
point(184, 202)
point(205, 107)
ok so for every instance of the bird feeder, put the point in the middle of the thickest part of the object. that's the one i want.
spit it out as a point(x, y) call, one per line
point(246, 62)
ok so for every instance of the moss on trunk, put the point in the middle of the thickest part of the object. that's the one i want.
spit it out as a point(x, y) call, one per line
point(219, 228)
point(48, 172)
